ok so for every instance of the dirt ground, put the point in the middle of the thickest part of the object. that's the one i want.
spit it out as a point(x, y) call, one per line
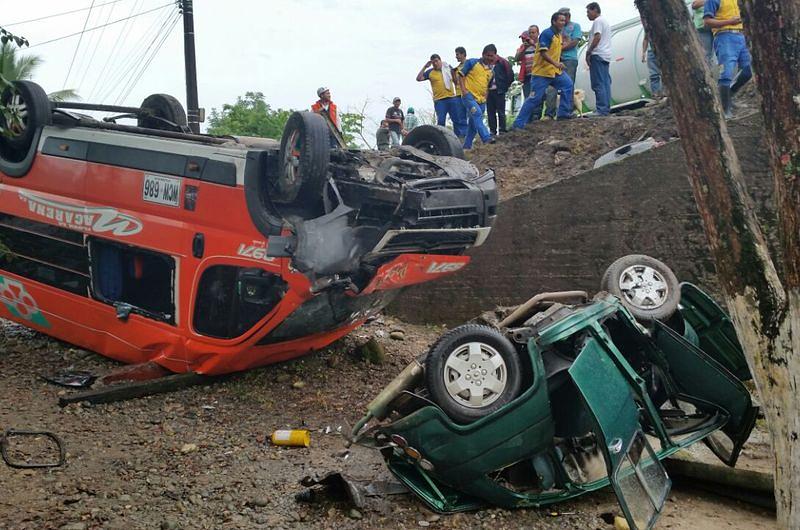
point(548, 151)
point(198, 458)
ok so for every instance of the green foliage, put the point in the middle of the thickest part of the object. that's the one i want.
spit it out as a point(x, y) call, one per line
point(352, 126)
point(251, 115)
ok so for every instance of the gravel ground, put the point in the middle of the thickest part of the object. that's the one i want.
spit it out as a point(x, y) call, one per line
point(199, 458)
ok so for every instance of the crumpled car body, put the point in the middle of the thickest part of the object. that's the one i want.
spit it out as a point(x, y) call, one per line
point(153, 244)
point(605, 400)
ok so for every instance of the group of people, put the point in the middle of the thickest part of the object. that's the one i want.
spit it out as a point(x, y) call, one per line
point(395, 125)
point(548, 66)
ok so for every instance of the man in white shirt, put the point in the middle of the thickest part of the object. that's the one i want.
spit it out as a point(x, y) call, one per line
point(598, 57)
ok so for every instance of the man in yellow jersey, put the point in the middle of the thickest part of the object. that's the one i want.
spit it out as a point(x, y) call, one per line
point(474, 78)
point(443, 87)
point(725, 21)
point(548, 70)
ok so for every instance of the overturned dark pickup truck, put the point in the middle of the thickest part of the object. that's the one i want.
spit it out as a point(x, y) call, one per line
point(211, 254)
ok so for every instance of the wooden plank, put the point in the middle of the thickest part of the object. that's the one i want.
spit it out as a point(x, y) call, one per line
point(137, 389)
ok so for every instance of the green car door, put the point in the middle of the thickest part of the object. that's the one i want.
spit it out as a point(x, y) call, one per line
point(637, 476)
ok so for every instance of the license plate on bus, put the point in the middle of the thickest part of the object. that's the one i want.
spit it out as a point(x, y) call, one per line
point(162, 190)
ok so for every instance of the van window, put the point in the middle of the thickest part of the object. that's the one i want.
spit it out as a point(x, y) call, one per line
point(128, 276)
point(231, 300)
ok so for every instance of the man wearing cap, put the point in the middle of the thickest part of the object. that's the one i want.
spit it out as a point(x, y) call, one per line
point(327, 109)
point(394, 117)
point(725, 21)
point(571, 36)
point(548, 70)
point(325, 106)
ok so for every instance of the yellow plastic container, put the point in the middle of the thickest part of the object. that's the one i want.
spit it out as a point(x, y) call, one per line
point(294, 438)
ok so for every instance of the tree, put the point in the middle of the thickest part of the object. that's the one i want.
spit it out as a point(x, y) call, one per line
point(353, 126)
point(16, 67)
point(765, 310)
point(251, 115)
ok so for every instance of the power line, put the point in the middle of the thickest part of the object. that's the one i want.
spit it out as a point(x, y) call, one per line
point(58, 14)
point(152, 56)
point(99, 27)
point(96, 46)
point(123, 67)
point(121, 36)
point(85, 23)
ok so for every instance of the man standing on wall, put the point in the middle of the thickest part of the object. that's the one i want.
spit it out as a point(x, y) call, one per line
point(327, 108)
point(443, 88)
point(395, 117)
point(598, 57)
point(725, 21)
point(571, 36)
point(548, 70)
point(496, 100)
point(524, 57)
point(461, 113)
point(473, 77)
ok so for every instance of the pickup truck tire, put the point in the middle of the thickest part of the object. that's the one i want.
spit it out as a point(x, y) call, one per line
point(34, 109)
point(435, 140)
point(647, 287)
point(472, 371)
point(165, 107)
point(304, 159)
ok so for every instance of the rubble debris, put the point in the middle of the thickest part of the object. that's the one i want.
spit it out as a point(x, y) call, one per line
point(71, 378)
point(291, 438)
point(623, 152)
point(341, 487)
point(137, 389)
point(14, 455)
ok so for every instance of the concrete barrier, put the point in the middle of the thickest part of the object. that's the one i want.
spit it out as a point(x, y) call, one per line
point(563, 235)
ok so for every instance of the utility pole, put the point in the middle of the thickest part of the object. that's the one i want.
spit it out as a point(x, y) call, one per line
point(193, 112)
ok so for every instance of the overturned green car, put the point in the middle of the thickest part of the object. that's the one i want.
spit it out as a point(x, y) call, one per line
point(567, 395)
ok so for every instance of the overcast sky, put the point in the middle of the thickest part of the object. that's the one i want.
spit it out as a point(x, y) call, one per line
point(363, 50)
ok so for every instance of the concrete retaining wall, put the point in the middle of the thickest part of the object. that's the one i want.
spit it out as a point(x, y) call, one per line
point(563, 235)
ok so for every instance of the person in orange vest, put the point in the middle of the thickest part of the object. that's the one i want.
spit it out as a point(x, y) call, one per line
point(327, 108)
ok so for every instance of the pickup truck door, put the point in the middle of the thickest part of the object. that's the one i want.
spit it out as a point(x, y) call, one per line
point(637, 476)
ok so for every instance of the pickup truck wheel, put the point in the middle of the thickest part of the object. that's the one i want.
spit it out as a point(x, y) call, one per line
point(165, 107)
point(436, 140)
point(472, 371)
point(647, 287)
point(28, 109)
point(304, 159)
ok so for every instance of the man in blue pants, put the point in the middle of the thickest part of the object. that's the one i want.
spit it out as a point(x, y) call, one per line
point(443, 88)
point(473, 78)
point(725, 21)
point(548, 70)
point(598, 57)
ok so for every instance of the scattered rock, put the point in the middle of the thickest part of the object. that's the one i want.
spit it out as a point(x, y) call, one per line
point(189, 448)
point(561, 157)
point(298, 384)
point(283, 378)
point(372, 352)
point(74, 526)
point(397, 335)
point(169, 524)
point(355, 514)
point(259, 502)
